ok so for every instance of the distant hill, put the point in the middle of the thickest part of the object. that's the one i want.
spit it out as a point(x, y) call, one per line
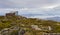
point(41, 16)
point(54, 19)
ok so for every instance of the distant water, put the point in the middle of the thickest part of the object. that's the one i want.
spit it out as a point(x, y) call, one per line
point(38, 16)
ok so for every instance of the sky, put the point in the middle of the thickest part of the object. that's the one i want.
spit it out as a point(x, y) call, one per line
point(44, 7)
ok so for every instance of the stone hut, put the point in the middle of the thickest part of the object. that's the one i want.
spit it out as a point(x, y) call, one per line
point(12, 13)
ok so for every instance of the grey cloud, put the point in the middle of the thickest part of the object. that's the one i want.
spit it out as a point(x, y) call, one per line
point(28, 3)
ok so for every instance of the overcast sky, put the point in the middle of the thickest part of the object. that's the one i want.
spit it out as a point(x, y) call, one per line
point(31, 6)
